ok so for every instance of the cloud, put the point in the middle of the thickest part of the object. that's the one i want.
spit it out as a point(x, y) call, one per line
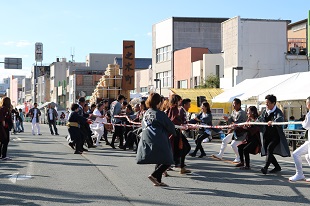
point(149, 34)
point(20, 43)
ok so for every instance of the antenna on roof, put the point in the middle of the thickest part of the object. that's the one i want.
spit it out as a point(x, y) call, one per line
point(72, 54)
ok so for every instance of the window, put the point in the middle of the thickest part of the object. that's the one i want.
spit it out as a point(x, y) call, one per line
point(143, 89)
point(196, 82)
point(182, 84)
point(163, 54)
point(217, 71)
point(165, 78)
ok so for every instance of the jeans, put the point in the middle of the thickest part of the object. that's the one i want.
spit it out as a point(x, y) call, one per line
point(52, 123)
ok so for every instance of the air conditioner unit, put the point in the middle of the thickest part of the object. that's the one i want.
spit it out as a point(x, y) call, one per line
point(294, 50)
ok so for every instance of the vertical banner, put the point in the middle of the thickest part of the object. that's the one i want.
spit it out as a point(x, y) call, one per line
point(128, 80)
point(38, 52)
point(308, 33)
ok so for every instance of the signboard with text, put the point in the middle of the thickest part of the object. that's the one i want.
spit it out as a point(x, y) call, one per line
point(128, 81)
point(308, 39)
point(12, 63)
point(38, 52)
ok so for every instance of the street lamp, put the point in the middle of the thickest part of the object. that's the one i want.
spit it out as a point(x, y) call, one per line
point(158, 80)
point(233, 74)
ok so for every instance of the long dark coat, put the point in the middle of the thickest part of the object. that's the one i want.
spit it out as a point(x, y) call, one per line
point(282, 148)
point(154, 146)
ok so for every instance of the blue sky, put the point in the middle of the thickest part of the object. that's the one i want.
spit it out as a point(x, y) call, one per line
point(100, 26)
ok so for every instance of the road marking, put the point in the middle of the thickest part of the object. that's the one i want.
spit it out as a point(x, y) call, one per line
point(16, 176)
point(16, 139)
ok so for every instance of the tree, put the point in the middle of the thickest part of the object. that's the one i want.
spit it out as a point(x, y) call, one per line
point(212, 81)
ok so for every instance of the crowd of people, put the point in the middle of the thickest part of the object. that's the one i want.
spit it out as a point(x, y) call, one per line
point(157, 129)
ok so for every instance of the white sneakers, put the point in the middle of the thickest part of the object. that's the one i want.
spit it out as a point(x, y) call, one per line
point(297, 177)
point(206, 140)
point(237, 160)
point(217, 156)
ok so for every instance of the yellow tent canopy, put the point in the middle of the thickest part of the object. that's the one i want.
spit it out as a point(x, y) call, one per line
point(209, 93)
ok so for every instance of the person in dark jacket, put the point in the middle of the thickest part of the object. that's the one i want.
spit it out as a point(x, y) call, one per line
point(35, 114)
point(205, 117)
point(154, 146)
point(74, 122)
point(6, 124)
point(274, 141)
point(178, 146)
point(52, 116)
point(251, 144)
point(116, 109)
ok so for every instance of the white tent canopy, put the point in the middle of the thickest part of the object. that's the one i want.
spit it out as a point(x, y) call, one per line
point(293, 86)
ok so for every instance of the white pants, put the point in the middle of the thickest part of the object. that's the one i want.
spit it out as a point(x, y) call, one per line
point(233, 145)
point(35, 124)
point(302, 150)
point(98, 130)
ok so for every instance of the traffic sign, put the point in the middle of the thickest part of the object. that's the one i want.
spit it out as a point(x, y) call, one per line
point(12, 63)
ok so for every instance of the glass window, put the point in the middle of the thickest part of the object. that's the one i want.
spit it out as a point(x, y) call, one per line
point(143, 89)
point(217, 71)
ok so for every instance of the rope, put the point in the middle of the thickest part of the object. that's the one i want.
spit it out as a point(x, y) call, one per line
point(196, 126)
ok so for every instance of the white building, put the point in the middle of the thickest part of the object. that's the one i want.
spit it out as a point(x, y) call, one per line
point(58, 76)
point(256, 48)
point(98, 61)
point(178, 33)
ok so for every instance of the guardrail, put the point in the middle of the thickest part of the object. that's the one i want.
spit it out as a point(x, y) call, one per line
point(295, 136)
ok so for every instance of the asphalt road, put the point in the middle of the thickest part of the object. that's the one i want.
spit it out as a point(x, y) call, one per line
point(44, 171)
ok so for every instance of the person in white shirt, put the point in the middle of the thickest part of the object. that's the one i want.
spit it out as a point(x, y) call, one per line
point(303, 149)
point(35, 115)
point(98, 125)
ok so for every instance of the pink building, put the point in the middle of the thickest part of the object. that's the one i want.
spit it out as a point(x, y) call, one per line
point(15, 89)
point(183, 65)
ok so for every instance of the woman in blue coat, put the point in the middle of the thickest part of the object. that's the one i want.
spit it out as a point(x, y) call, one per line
point(154, 146)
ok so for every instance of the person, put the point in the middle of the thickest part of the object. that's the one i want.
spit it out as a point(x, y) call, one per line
point(154, 146)
point(107, 127)
point(116, 109)
point(74, 122)
point(251, 144)
point(92, 108)
point(205, 117)
point(15, 121)
point(178, 146)
point(98, 125)
point(6, 124)
point(130, 114)
point(22, 119)
point(84, 128)
point(52, 115)
point(274, 141)
point(35, 114)
point(62, 118)
point(304, 149)
point(237, 116)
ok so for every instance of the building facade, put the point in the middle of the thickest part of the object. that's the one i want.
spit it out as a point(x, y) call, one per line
point(4, 85)
point(255, 48)
point(26, 90)
point(16, 89)
point(183, 59)
point(177, 33)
